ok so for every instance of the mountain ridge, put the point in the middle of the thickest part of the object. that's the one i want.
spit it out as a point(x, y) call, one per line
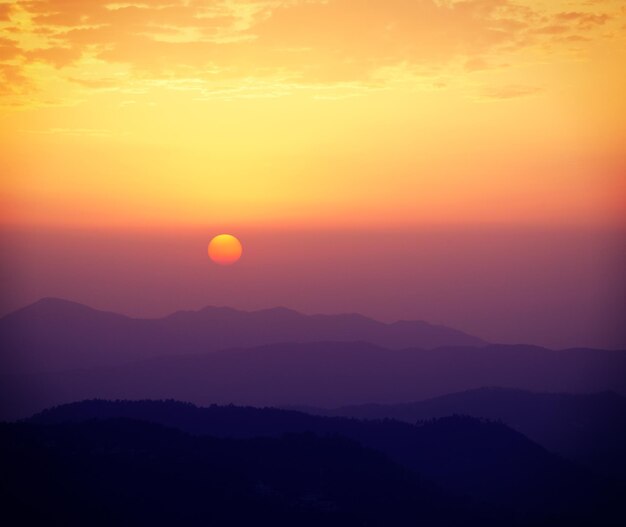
point(588, 428)
point(55, 334)
point(319, 374)
point(450, 451)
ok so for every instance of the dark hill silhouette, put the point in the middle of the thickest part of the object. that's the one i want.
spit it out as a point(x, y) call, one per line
point(485, 460)
point(55, 335)
point(588, 428)
point(320, 374)
point(125, 472)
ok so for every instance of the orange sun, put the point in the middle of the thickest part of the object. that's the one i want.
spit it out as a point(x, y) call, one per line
point(225, 249)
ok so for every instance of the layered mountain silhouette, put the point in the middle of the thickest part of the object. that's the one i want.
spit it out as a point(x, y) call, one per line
point(587, 428)
point(126, 472)
point(325, 374)
point(461, 454)
point(485, 461)
point(55, 335)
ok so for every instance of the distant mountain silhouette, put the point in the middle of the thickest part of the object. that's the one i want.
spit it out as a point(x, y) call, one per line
point(320, 374)
point(588, 428)
point(55, 335)
point(484, 460)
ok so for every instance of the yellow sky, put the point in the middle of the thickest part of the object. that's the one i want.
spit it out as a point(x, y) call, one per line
point(312, 112)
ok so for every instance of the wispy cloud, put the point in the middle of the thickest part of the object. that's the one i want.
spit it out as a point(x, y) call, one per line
point(509, 92)
point(310, 42)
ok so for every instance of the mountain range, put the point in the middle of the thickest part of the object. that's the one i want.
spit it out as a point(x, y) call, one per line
point(301, 420)
point(325, 374)
point(55, 335)
point(131, 472)
point(466, 457)
point(587, 428)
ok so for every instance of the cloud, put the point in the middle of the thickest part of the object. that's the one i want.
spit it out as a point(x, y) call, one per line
point(5, 12)
point(78, 132)
point(301, 41)
point(510, 91)
point(583, 20)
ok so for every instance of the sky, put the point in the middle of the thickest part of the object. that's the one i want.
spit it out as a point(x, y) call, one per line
point(413, 134)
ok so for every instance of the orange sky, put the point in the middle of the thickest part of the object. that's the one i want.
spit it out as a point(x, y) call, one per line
point(312, 113)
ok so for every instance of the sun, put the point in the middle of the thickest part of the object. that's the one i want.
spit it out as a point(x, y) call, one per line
point(225, 249)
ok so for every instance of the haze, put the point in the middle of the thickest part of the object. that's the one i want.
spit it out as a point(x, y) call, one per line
point(557, 288)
